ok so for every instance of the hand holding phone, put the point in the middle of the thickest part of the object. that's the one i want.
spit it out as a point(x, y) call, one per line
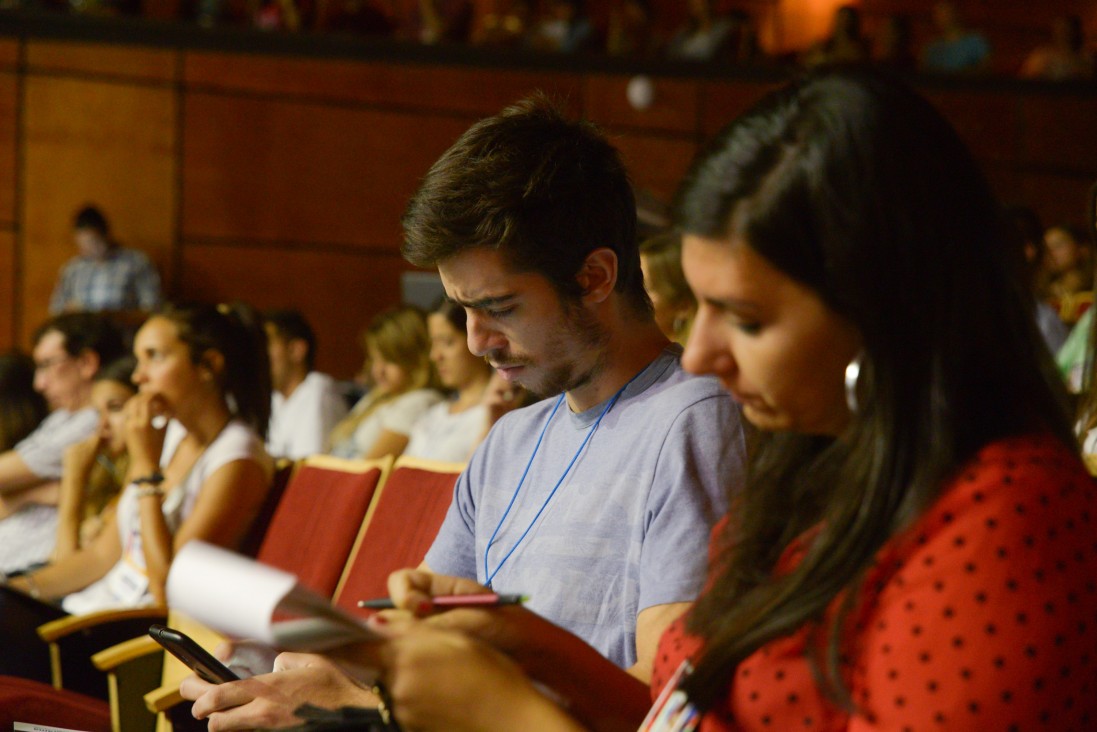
point(197, 658)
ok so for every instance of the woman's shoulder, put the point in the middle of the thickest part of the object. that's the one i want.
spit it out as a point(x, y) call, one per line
point(238, 441)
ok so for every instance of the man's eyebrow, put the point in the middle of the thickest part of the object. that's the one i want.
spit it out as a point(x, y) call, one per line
point(485, 302)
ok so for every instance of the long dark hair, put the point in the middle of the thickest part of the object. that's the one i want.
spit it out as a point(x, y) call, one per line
point(856, 187)
point(235, 331)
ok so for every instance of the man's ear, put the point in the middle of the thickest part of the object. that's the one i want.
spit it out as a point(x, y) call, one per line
point(598, 275)
point(88, 362)
point(298, 350)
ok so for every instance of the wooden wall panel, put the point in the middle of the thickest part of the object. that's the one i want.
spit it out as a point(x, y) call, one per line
point(8, 291)
point(674, 103)
point(1060, 130)
point(9, 52)
point(132, 62)
point(723, 101)
point(107, 143)
point(467, 90)
point(1057, 198)
point(337, 292)
point(259, 169)
point(9, 116)
point(656, 164)
point(988, 122)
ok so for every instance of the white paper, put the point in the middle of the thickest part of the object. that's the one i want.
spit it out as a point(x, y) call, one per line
point(227, 591)
point(241, 598)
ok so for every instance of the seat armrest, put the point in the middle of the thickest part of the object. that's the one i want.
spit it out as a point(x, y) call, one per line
point(163, 698)
point(57, 629)
point(113, 657)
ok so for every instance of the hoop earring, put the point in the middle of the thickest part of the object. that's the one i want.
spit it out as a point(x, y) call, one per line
point(853, 374)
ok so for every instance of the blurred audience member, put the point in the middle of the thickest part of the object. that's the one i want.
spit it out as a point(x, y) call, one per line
point(1068, 267)
point(93, 471)
point(1065, 58)
point(564, 29)
point(68, 351)
point(895, 47)
point(846, 43)
point(956, 49)
point(398, 349)
point(305, 404)
point(272, 15)
point(438, 21)
point(1028, 233)
point(671, 298)
point(104, 276)
point(204, 369)
point(506, 28)
point(22, 408)
point(631, 32)
point(703, 37)
point(452, 429)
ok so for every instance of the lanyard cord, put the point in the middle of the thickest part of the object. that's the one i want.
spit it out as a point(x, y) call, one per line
point(590, 433)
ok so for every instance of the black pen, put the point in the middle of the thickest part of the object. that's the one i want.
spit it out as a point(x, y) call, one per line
point(486, 599)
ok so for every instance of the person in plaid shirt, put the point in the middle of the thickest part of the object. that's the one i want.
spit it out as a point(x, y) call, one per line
point(104, 276)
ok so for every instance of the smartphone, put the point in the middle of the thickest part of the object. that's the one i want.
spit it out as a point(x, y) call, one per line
point(197, 658)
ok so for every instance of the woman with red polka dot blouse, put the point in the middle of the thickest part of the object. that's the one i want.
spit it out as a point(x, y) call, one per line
point(916, 545)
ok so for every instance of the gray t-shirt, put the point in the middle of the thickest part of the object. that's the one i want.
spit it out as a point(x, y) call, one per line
point(43, 449)
point(628, 527)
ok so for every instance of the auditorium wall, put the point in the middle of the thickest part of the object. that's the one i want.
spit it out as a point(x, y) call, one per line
point(279, 178)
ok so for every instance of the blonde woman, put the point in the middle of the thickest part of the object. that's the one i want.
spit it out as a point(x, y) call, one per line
point(671, 298)
point(398, 351)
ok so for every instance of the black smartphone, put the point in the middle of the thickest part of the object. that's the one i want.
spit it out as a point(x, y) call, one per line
point(197, 658)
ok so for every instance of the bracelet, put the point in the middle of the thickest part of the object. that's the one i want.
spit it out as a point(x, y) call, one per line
point(155, 478)
point(151, 490)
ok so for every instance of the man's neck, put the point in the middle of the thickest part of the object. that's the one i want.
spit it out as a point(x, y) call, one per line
point(632, 346)
point(292, 383)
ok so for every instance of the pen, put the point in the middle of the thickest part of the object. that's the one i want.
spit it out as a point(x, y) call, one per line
point(486, 599)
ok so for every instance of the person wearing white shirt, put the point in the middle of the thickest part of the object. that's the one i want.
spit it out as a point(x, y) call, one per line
point(452, 429)
point(305, 404)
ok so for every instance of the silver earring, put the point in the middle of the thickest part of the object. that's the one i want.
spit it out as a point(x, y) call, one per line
point(853, 373)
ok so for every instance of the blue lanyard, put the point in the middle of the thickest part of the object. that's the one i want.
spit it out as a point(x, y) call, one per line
point(490, 575)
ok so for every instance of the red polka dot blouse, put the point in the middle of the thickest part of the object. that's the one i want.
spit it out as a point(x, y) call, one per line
point(981, 616)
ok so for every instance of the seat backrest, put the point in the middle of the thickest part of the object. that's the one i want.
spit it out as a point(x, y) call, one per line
point(400, 527)
point(249, 545)
point(320, 516)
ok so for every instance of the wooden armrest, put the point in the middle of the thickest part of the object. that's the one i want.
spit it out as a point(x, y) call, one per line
point(113, 657)
point(57, 629)
point(163, 699)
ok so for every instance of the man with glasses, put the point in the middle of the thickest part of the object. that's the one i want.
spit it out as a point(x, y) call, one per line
point(68, 351)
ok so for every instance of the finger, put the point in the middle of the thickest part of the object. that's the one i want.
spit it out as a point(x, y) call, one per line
point(287, 661)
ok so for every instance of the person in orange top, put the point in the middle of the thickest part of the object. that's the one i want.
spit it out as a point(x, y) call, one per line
point(914, 546)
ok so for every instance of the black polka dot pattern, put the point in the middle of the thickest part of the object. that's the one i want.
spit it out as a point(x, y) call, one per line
point(981, 616)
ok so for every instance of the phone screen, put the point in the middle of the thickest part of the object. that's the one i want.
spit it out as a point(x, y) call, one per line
point(197, 658)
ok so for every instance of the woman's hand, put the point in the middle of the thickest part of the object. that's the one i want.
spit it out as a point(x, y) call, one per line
point(79, 457)
point(444, 680)
point(501, 397)
point(144, 439)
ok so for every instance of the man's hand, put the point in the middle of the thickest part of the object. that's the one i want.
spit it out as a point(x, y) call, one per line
point(269, 701)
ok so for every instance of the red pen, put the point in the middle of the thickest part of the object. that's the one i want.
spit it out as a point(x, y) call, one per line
point(488, 599)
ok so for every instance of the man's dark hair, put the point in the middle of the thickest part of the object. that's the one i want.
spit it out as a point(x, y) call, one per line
point(542, 190)
point(291, 325)
point(89, 331)
point(90, 217)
